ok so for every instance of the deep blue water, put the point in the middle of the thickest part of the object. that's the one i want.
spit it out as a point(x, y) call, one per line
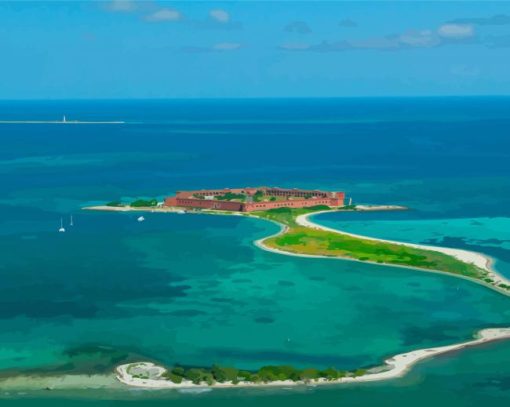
point(193, 289)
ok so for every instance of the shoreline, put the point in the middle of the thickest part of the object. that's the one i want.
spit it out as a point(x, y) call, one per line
point(394, 367)
point(478, 259)
point(260, 244)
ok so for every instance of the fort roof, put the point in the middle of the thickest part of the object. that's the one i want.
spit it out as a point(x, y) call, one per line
point(246, 199)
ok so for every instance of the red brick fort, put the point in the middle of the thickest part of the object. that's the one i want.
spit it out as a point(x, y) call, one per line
point(254, 199)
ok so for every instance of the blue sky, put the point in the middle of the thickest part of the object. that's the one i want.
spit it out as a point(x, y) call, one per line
point(158, 49)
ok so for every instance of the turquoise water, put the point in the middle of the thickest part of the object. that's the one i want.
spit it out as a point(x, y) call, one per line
point(192, 289)
point(489, 236)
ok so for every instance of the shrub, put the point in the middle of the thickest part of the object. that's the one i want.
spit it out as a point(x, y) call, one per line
point(224, 374)
point(359, 372)
point(179, 371)
point(195, 375)
point(246, 376)
point(274, 373)
point(229, 196)
point(309, 374)
point(114, 203)
point(172, 377)
point(143, 203)
point(329, 373)
point(257, 196)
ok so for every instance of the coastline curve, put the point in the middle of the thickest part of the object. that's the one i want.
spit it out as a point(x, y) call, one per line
point(150, 375)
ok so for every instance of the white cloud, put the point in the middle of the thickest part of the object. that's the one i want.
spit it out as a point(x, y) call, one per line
point(422, 38)
point(165, 14)
point(226, 46)
point(220, 16)
point(456, 31)
point(122, 6)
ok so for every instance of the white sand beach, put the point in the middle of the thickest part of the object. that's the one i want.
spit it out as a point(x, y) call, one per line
point(478, 259)
point(149, 375)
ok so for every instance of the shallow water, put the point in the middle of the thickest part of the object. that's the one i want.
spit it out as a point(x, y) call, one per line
point(489, 236)
point(192, 289)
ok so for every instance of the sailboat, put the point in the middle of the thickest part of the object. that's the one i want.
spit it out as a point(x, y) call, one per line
point(140, 219)
point(62, 229)
point(71, 221)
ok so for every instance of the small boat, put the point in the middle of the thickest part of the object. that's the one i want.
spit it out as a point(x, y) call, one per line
point(62, 229)
point(140, 219)
point(181, 212)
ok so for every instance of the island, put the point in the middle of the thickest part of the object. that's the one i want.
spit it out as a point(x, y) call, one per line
point(292, 209)
point(150, 375)
point(299, 236)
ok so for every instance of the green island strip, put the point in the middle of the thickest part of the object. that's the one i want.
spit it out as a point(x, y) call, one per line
point(149, 375)
point(297, 239)
point(266, 374)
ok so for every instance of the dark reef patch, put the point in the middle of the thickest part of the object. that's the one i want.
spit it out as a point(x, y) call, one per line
point(186, 313)
point(264, 320)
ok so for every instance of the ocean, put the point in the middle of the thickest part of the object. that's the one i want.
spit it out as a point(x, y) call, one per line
point(194, 290)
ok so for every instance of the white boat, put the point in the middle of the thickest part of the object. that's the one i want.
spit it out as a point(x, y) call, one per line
point(62, 229)
point(140, 219)
point(181, 212)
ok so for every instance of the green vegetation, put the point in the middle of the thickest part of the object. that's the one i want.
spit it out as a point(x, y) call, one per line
point(305, 240)
point(229, 196)
point(198, 196)
point(141, 203)
point(114, 203)
point(169, 375)
point(258, 196)
point(266, 374)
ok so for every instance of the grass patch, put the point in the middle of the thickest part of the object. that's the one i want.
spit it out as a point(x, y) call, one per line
point(303, 240)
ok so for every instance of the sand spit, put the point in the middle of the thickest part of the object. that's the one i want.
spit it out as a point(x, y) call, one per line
point(478, 259)
point(149, 375)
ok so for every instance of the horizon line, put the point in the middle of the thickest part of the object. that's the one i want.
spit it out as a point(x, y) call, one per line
point(255, 98)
